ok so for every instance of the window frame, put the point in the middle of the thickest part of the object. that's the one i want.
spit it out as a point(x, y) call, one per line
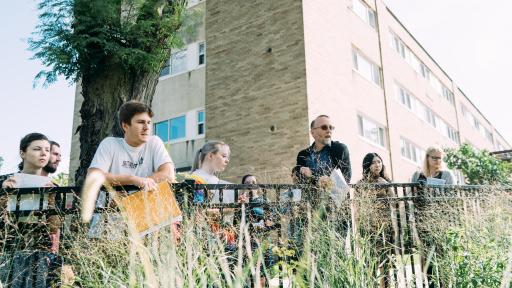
point(203, 44)
point(368, 15)
point(168, 131)
point(172, 64)
point(171, 139)
point(375, 70)
point(381, 131)
point(199, 123)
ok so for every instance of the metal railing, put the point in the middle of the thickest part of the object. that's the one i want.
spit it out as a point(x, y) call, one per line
point(282, 202)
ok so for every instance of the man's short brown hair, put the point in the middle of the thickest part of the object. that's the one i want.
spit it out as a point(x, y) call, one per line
point(130, 108)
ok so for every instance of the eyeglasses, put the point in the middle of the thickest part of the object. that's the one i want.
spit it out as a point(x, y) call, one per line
point(325, 127)
point(435, 157)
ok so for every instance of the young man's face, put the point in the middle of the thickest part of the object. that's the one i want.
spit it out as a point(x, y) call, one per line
point(55, 158)
point(138, 131)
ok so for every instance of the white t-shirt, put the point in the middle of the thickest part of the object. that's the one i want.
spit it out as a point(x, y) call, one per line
point(115, 156)
point(228, 196)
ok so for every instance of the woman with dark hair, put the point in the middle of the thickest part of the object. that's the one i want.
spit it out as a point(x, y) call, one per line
point(44, 236)
point(35, 154)
point(374, 170)
point(259, 222)
point(377, 225)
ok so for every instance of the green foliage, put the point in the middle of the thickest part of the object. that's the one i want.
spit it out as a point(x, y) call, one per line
point(478, 167)
point(474, 257)
point(62, 179)
point(1, 161)
point(78, 37)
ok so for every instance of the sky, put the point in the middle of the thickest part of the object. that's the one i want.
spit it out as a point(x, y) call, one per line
point(470, 39)
point(24, 109)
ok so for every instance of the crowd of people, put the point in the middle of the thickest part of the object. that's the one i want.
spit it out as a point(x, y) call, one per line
point(141, 159)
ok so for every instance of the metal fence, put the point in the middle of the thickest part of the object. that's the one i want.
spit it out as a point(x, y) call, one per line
point(400, 203)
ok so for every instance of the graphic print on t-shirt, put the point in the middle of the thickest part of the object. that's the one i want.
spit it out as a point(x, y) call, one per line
point(130, 165)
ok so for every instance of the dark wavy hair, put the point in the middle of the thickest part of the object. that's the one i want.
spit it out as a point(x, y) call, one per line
point(367, 162)
point(25, 142)
point(245, 177)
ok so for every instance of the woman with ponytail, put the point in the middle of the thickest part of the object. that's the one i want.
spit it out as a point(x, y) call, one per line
point(210, 160)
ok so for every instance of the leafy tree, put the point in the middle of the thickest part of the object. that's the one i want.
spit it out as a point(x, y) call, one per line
point(113, 49)
point(478, 167)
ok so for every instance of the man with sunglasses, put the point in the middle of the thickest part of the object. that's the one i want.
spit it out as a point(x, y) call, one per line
point(315, 163)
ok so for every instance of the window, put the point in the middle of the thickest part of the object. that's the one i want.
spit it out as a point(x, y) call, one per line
point(464, 111)
point(365, 67)
point(411, 151)
point(448, 131)
point(364, 12)
point(167, 68)
point(162, 130)
point(405, 98)
point(178, 128)
point(397, 45)
point(448, 95)
point(430, 117)
point(202, 53)
point(405, 52)
point(460, 177)
point(200, 122)
point(425, 72)
point(193, 2)
point(476, 123)
point(488, 135)
point(436, 84)
point(178, 62)
point(371, 131)
point(426, 114)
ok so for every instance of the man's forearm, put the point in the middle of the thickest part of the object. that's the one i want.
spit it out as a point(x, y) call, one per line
point(123, 179)
point(162, 176)
point(164, 173)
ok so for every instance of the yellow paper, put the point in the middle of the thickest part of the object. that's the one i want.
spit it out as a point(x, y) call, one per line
point(148, 211)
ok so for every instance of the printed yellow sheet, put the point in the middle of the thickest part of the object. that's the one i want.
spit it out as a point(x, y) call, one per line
point(149, 211)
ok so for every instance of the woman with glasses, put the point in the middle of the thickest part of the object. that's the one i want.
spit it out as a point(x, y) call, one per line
point(433, 172)
point(434, 169)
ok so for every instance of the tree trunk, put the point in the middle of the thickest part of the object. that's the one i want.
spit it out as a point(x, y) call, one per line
point(103, 94)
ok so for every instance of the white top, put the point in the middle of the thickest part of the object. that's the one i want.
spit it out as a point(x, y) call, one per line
point(228, 196)
point(28, 201)
point(115, 156)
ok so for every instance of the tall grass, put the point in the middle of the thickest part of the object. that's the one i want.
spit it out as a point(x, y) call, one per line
point(464, 243)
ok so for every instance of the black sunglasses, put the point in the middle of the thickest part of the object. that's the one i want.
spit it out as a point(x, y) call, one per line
point(325, 127)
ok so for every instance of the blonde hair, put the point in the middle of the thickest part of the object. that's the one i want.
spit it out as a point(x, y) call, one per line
point(426, 168)
point(208, 147)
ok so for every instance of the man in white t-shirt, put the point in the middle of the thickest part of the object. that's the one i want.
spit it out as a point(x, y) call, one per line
point(139, 158)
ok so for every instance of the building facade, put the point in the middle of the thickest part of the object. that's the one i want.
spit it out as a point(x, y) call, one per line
point(255, 73)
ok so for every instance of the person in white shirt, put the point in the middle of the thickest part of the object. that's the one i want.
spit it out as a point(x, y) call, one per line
point(139, 158)
point(210, 160)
